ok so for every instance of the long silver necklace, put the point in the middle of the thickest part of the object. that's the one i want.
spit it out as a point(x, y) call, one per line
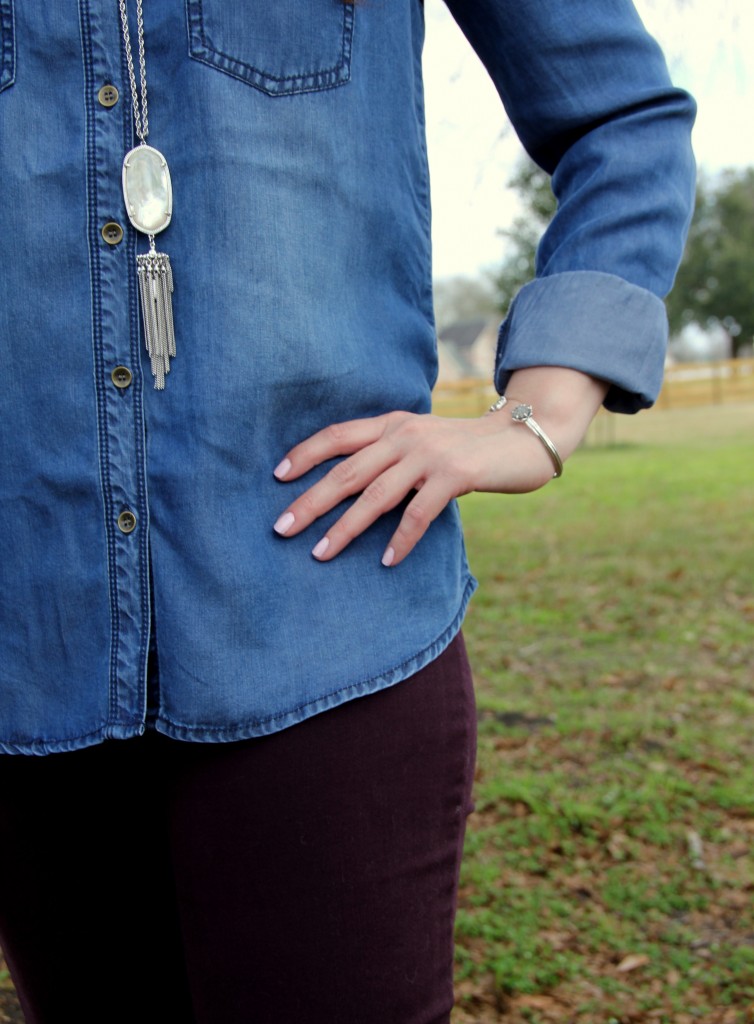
point(148, 194)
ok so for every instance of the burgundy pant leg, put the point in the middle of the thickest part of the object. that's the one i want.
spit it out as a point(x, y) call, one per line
point(88, 920)
point(316, 868)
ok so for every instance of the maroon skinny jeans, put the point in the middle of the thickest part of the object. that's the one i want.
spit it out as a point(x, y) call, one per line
point(305, 877)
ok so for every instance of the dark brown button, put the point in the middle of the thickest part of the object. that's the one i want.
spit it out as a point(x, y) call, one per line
point(112, 232)
point(121, 376)
point(108, 95)
point(126, 521)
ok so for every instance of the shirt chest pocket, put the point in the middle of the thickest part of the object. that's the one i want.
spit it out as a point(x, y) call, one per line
point(281, 47)
point(7, 45)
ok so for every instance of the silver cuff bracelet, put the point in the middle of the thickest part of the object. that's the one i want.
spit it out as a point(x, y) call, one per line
point(523, 413)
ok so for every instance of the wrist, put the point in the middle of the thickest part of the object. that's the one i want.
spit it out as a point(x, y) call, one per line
point(523, 413)
point(564, 402)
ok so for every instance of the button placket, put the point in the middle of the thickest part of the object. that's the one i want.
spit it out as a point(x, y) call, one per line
point(115, 349)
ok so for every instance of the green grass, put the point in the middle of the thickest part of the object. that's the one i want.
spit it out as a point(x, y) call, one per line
point(615, 619)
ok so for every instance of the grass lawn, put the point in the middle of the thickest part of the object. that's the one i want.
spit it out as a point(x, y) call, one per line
point(608, 872)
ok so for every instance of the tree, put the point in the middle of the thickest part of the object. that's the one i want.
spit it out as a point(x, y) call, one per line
point(715, 282)
point(461, 298)
point(464, 298)
point(533, 187)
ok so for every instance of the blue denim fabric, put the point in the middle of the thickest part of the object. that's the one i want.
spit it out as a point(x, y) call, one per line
point(300, 243)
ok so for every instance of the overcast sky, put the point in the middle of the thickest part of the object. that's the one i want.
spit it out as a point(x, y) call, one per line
point(708, 45)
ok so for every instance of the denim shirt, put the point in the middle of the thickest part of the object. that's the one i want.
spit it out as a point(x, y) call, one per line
point(300, 245)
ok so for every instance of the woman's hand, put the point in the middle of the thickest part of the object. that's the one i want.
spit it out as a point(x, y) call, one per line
point(389, 456)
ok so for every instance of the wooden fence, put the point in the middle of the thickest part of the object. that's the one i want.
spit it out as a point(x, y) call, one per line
point(686, 385)
point(719, 383)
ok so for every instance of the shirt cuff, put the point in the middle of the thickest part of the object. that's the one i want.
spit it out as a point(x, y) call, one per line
point(590, 321)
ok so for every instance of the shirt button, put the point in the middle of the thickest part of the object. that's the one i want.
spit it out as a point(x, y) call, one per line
point(112, 232)
point(121, 376)
point(108, 95)
point(126, 521)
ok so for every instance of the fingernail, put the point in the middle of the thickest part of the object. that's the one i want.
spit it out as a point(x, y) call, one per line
point(320, 548)
point(283, 469)
point(387, 558)
point(284, 523)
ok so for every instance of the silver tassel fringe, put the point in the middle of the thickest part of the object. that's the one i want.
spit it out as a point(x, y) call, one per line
point(156, 289)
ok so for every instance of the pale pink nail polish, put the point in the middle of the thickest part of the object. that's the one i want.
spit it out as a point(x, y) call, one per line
point(320, 548)
point(283, 469)
point(387, 558)
point(284, 523)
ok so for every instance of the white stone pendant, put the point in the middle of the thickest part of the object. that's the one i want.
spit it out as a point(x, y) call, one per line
point(147, 190)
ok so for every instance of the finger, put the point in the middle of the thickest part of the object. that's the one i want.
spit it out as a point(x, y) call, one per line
point(345, 479)
point(420, 512)
point(381, 495)
point(330, 442)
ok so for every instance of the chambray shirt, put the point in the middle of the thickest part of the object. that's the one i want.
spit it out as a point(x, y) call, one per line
point(300, 245)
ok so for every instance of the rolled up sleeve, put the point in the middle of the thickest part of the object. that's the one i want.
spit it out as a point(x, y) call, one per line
point(588, 92)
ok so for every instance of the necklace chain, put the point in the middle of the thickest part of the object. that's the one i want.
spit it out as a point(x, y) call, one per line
point(141, 121)
point(148, 195)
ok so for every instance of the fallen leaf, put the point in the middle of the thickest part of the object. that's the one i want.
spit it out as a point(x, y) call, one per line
point(632, 961)
point(616, 845)
point(537, 1002)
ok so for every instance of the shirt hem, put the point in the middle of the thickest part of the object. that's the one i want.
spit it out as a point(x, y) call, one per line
point(40, 747)
point(257, 727)
point(276, 723)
